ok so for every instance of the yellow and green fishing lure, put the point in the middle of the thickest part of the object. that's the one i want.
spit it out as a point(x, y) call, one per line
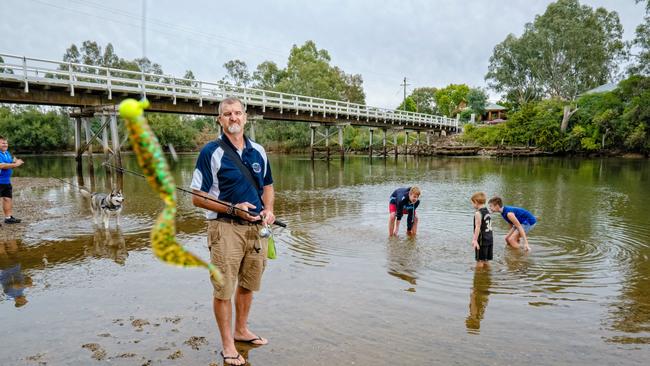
point(150, 158)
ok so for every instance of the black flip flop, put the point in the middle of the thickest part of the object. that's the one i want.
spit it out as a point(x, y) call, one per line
point(232, 358)
point(252, 340)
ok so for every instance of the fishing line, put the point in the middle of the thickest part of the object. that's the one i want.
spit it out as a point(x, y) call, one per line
point(207, 198)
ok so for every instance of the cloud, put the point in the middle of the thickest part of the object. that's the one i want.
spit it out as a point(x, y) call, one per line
point(432, 43)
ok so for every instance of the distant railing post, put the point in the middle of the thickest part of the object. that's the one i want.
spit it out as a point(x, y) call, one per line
point(142, 87)
point(295, 103)
point(263, 101)
point(108, 84)
point(200, 94)
point(174, 90)
point(25, 74)
point(71, 79)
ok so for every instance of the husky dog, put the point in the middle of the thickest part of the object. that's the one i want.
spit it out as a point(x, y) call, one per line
point(104, 205)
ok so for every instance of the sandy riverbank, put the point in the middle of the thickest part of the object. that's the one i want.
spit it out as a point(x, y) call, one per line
point(27, 207)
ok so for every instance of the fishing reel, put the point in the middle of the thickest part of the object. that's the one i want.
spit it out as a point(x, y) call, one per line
point(265, 232)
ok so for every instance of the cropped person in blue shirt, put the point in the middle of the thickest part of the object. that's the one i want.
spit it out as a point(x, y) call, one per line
point(7, 164)
point(521, 221)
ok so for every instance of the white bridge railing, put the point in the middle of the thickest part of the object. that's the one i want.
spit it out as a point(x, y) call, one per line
point(33, 71)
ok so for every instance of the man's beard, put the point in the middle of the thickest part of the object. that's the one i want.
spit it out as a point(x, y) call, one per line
point(234, 128)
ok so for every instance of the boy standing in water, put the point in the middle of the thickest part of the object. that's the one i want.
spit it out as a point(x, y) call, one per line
point(403, 201)
point(482, 239)
point(521, 221)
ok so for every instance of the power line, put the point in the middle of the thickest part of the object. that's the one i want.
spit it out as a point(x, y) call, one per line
point(199, 37)
point(194, 34)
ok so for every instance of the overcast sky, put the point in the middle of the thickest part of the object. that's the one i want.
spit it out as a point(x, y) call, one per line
point(431, 43)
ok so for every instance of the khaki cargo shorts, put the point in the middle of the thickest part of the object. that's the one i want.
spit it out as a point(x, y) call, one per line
point(232, 250)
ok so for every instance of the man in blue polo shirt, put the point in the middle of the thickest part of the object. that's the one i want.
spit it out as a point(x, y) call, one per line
point(7, 164)
point(233, 231)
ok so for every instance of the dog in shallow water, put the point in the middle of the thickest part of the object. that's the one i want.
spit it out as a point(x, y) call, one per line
point(105, 205)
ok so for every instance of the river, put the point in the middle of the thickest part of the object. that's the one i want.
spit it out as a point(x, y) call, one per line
point(342, 292)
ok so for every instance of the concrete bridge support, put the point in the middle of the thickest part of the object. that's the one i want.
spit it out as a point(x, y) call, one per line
point(341, 145)
point(318, 137)
point(406, 143)
point(372, 131)
point(312, 131)
point(327, 143)
point(89, 147)
point(109, 132)
point(395, 143)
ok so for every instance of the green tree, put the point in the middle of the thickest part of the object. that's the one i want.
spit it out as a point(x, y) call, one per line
point(171, 129)
point(410, 105)
point(425, 100)
point(189, 77)
point(450, 99)
point(236, 73)
point(642, 42)
point(267, 75)
point(91, 53)
point(309, 73)
point(32, 130)
point(635, 91)
point(563, 52)
point(477, 100)
point(509, 73)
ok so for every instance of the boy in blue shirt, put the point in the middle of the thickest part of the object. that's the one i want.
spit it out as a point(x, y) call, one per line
point(521, 221)
point(7, 164)
point(403, 201)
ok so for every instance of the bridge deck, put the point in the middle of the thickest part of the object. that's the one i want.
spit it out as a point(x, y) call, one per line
point(46, 82)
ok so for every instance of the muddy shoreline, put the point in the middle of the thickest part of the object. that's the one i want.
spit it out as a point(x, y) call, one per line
point(25, 205)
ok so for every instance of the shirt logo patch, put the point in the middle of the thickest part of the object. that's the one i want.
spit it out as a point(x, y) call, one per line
point(257, 168)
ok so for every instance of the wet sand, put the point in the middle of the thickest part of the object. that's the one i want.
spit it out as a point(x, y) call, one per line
point(28, 206)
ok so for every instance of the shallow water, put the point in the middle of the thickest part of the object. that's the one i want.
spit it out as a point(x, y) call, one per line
point(341, 291)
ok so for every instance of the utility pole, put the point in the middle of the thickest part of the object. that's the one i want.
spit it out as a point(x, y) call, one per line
point(404, 85)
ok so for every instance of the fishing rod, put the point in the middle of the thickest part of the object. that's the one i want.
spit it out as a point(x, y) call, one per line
point(224, 203)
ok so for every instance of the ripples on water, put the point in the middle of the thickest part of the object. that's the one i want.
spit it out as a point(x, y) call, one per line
point(589, 262)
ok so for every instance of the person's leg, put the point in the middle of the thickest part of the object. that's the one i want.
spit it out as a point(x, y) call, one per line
point(250, 279)
point(226, 252)
point(223, 314)
point(7, 206)
point(243, 301)
point(513, 239)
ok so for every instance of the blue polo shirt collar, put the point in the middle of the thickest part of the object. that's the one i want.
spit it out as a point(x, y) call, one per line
point(247, 142)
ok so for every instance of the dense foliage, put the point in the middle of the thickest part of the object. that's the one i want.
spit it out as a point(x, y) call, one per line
point(619, 120)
